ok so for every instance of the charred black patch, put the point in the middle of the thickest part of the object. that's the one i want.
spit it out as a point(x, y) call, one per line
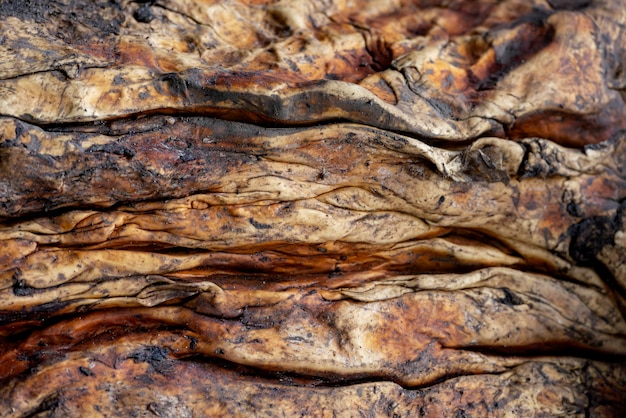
point(569, 4)
point(156, 357)
point(91, 20)
point(510, 298)
point(19, 287)
point(574, 209)
point(85, 371)
point(193, 342)
point(174, 82)
point(144, 13)
point(589, 236)
point(259, 225)
point(539, 160)
point(114, 148)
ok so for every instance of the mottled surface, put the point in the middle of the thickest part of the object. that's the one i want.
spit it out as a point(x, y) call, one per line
point(511, 69)
point(312, 208)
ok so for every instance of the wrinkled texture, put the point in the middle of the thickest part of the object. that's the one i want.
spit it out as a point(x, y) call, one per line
point(317, 208)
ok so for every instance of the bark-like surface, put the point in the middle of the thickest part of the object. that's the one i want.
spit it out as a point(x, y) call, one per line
point(312, 208)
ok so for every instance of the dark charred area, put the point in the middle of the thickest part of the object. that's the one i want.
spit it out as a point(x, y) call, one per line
point(485, 165)
point(157, 357)
point(77, 21)
point(569, 4)
point(539, 160)
point(590, 235)
point(144, 12)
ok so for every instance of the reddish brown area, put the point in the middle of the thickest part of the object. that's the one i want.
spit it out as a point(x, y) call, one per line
point(570, 129)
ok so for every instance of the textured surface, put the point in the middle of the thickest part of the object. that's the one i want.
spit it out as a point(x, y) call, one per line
point(312, 208)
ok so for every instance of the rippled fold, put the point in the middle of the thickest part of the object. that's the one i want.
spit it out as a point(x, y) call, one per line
point(312, 208)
